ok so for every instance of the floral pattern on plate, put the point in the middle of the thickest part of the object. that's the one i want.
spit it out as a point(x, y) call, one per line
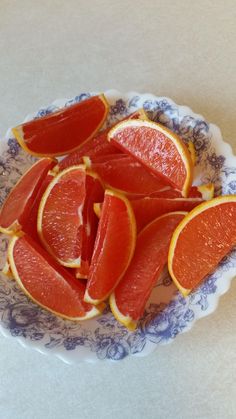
point(167, 312)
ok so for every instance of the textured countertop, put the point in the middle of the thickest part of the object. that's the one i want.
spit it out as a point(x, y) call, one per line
point(181, 49)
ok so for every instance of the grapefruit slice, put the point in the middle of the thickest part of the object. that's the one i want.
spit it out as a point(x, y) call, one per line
point(147, 209)
point(201, 240)
point(94, 192)
point(18, 204)
point(30, 226)
point(114, 247)
point(46, 283)
point(63, 131)
point(126, 175)
point(128, 300)
point(60, 216)
point(160, 150)
point(96, 146)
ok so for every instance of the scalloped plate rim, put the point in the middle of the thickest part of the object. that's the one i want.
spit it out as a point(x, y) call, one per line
point(228, 276)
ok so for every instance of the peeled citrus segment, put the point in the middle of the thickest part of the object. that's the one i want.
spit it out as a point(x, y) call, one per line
point(201, 240)
point(60, 216)
point(63, 131)
point(131, 294)
point(47, 283)
point(18, 204)
point(147, 209)
point(205, 192)
point(94, 193)
point(30, 225)
point(127, 175)
point(160, 150)
point(96, 146)
point(114, 247)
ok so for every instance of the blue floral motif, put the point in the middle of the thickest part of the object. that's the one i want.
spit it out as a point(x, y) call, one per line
point(119, 108)
point(78, 98)
point(46, 111)
point(14, 147)
point(216, 161)
point(168, 313)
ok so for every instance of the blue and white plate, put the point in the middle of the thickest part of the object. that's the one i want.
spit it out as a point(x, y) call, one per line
point(167, 312)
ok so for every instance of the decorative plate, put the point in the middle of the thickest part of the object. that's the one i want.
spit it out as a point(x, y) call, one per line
point(167, 312)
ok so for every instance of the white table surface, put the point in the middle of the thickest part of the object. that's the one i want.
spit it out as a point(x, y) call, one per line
point(179, 48)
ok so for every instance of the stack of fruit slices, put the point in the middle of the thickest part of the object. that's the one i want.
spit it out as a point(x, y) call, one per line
point(100, 224)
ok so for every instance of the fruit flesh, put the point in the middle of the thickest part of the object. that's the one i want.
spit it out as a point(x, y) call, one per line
point(48, 284)
point(157, 148)
point(96, 146)
point(63, 131)
point(30, 225)
point(18, 204)
point(198, 244)
point(94, 192)
point(150, 256)
point(147, 209)
point(128, 175)
point(60, 218)
point(114, 247)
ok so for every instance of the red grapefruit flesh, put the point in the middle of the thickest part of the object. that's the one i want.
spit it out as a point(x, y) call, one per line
point(18, 204)
point(147, 209)
point(30, 226)
point(114, 247)
point(60, 216)
point(127, 175)
point(160, 150)
point(63, 131)
point(205, 192)
point(94, 193)
point(96, 146)
point(47, 283)
point(130, 296)
point(201, 240)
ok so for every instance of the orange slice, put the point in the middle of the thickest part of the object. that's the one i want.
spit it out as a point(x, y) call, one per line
point(46, 283)
point(96, 146)
point(18, 204)
point(60, 216)
point(201, 240)
point(114, 247)
point(63, 131)
point(126, 175)
point(131, 294)
point(160, 150)
point(147, 209)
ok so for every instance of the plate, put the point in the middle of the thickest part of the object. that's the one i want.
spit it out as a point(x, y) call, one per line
point(167, 313)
